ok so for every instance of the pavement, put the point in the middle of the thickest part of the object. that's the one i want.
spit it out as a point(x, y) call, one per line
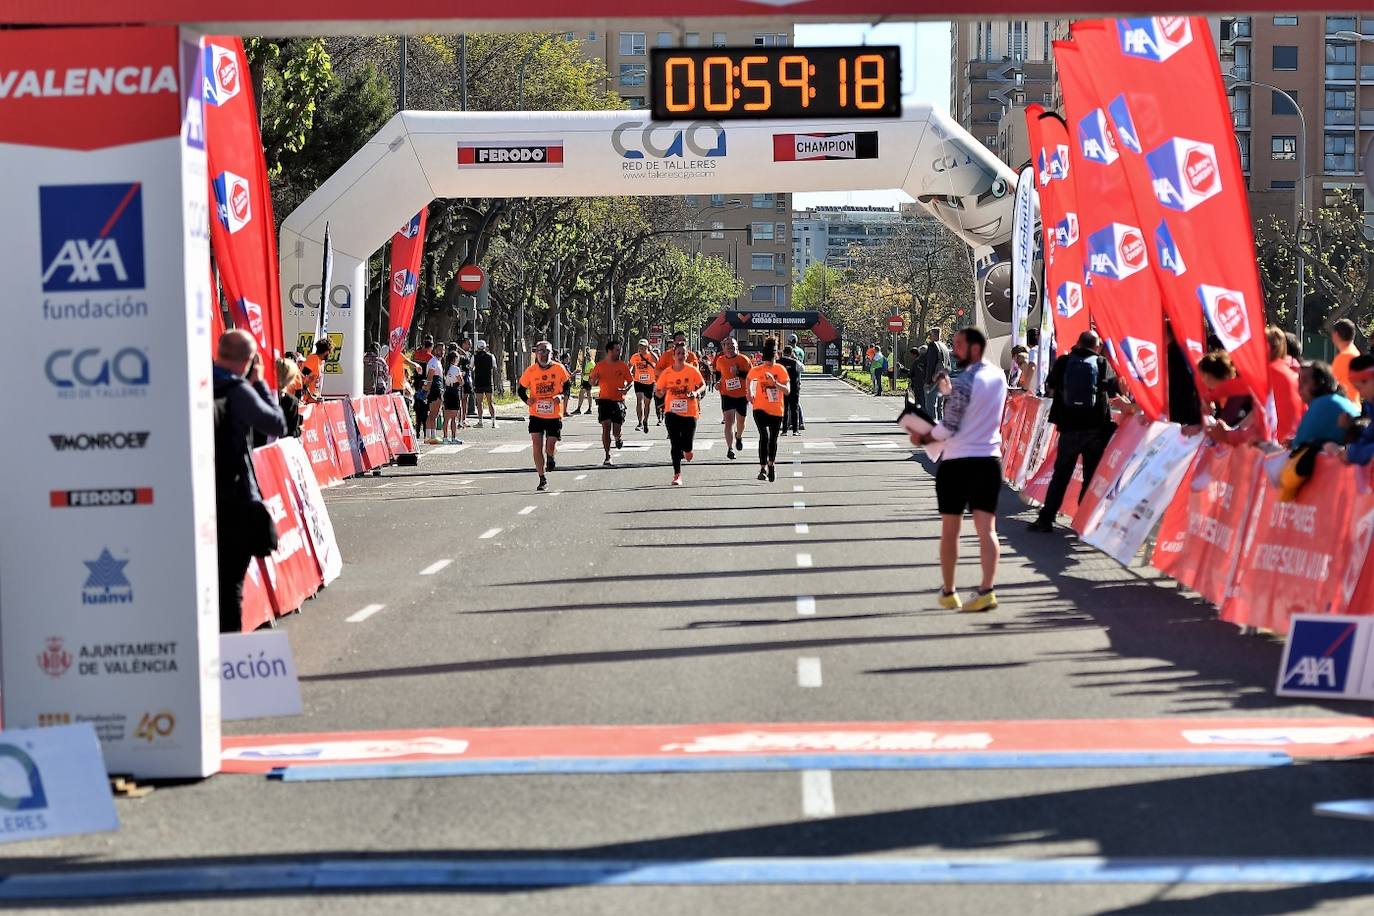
point(614, 599)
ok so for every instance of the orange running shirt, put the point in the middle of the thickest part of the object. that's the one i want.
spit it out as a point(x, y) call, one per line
point(768, 400)
point(612, 376)
point(544, 386)
point(733, 371)
point(666, 360)
point(676, 385)
point(314, 382)
point(642, 367)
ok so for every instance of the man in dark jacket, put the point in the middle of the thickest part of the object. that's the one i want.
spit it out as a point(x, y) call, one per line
point(1082, 385)
point(243, 404)
point(936, 360)
point(791, 418)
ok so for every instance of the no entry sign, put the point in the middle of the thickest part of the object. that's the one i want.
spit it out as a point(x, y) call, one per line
point(896, 324)
point(470, 278)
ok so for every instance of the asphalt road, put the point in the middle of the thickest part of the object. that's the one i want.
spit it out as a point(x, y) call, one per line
point(614, 599)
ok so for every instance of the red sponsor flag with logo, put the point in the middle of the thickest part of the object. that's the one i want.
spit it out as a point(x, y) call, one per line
point(1185, 176)
point(1122, 290)
point(1063, 246)
point(243, 231)
point(407, 248)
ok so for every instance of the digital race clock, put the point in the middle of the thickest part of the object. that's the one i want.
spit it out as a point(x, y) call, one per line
point(778, 82)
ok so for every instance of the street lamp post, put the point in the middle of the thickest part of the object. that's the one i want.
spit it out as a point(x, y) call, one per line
point(1300, 199)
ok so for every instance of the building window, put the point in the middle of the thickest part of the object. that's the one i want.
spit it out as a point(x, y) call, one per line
point(692, 200)
point(591, 36)
point(1340, 153)
point(1282, 185)
point(1336, 24)
point(1279, 104)
point(569, 36)
point(717, 200)
point(1285, 20)
point(783, 40)
point(978, 36)
point(717, 228)
point(1018, 40)
point(781, 205)
point(664, 39)
point(762, 201)
point(1340, 107)
point(633, 102)
point(782, 232)
point(1045, 47)
point(761, 262)
point(762, 232)
point(1243, 141)
point(633, 74)
point(1282, 148)
point(691, 40)
point(1285, 57)
point(1242, 66)
point(631, 44)
point(761, 294)
point(717, 39)
point(781, 293)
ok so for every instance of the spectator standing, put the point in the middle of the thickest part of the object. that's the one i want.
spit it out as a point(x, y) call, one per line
point(1329, 411)
point(1343, 336)
point(1081, 385)
point(453, 398)
point(375, 372)
point(791, 418)
point(465, 356)
point(288, 396)
point(935, 362)
point(483, 380)
point(1283, 386)
point(1361, 451)
point(878, 368)
point(243, 405)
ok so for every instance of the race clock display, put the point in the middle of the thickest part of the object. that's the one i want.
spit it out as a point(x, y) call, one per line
point(781, 82)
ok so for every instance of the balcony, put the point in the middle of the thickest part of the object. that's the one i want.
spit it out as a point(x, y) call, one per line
point(1338, 73)
point(1367, 120)
point(1241, 71)
point(1338, 165)
point(1367, 73)
point(1240, 29)
point(1339, 117)
point(1241, 118)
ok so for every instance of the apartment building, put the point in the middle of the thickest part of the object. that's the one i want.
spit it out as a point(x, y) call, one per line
point(826, 234)
point(997, 65)
point(751, 232)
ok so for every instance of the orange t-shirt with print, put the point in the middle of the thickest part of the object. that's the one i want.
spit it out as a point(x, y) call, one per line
point(612, 376)
point(765, 398)
point(544, 384)
point(642, 367)
point(676, 385)
point(733, 370)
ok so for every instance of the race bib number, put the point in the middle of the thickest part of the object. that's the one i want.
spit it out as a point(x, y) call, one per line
point(544, 405)
point(773, 394)
point(733, 384)
point(645, 378)
point(678, 405)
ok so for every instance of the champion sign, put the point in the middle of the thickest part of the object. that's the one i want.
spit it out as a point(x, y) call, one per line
point(806, 147)
point(1184, 173)
point(91, 237)
point(528, 154)
point(1068, 299)
point(233, 197)
point(1117, 251)
point(1156, 39)
point(1142, 357)
point(222, 78)
point(1225, 308)
point(1095, 138)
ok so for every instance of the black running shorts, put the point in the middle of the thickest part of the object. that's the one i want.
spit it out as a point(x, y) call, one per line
point(609, 411)
point(643, 390)
point(968, 483)
point(551, 428)
point(738, 405)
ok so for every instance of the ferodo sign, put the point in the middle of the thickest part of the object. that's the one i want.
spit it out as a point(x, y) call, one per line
point(511, 153)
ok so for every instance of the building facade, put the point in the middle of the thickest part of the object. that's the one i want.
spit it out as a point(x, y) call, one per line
point(826, 234)
point(997, 65)
point(750, 232)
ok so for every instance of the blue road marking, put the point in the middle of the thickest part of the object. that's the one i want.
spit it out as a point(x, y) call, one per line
point(359, 874)
point(982, 760)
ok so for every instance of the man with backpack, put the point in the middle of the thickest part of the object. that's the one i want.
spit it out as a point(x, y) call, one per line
point(935, 361)
point(1082, 385)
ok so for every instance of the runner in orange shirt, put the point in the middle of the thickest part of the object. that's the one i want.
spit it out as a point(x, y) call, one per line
point(681, 386)
point(613, 379)
point(313, 371)
point(544, 387)
point(732, 369)
point(666, 360)
point(768, 386)
point(642, 368)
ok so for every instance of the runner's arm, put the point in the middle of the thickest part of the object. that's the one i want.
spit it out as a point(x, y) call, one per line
point(523, 392)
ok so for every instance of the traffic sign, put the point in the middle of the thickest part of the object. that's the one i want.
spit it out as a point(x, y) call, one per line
point(656, 329)
point(470, 278)
point(896, 324)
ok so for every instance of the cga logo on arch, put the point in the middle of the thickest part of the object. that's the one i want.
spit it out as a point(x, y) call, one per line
point(93, 372)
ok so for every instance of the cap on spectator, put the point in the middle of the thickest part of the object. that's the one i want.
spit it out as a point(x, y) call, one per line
point(481, 344)
point(643, 342)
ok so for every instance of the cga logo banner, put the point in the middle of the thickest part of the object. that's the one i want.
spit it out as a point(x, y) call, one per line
point(1184, 173)
point(234, 200)
point(53, 782)
point(31, 796)
point(1170, 258)
point(90, 373)
point(1095, 138)
point(1156, 39)
point(91, 237)
point(1117, 251)
point(105, 581)
point(1142, 357)
point(1225, 309)
point(704, 139)
point(222, 78)
point(1068, 299)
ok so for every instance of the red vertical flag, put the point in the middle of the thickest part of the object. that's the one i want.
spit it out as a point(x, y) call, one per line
point(1049, 145)
point(1179, 147)
point(407, 249)
point(1121, 288)
point(242, 229)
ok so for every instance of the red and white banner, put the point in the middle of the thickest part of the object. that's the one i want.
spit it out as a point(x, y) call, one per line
point(310, 504)
point(1059, 221)
point(293, 574)
point(1122, 290)
point(349, 457)
point(402, 412)
point(370, 435)
point(1131, 434)
point(319, 446)
point(407, 250)
point(1185, 177)
point(243, 233)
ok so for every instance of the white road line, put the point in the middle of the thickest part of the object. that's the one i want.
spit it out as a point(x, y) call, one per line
point(806, 605)
point(799, 505)
point(798, 488)
point(796, 451)
point(580, 477)
point(364, 613)
point(808, 672)
point(885, 443)
point(821, 444)
point(574, 446)
point(705, 446)
point(818, 795)
point(804, 560)
point(796, 473)
point(510, 448)
point(434, 567)
point(489, 534)
point(526, 511)
point(802, 528)
point(447, 449)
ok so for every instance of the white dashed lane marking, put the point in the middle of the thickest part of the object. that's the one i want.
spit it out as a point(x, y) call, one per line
point(434, 567)
point(818, 795)
point(806, 605)
point(364, 613)
point(526, 511)
point(808, 672)
point(804, 560)
point(798, 488)
point(489, 534)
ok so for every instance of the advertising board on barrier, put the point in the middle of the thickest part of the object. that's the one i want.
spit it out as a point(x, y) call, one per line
point(53, 783)
point(1130, 517)
point(258, 676)
point(106, 208)
point(1119, 463)
point(310, 503)
point(292, 570)
point(1328, 657)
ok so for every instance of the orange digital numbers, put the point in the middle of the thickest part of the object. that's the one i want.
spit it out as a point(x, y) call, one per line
point(799, 78)
point(869, 92)
point(726, 67)
point(671, 84)
point(752, 82)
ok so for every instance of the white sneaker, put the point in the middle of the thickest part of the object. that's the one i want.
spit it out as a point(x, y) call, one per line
point(479, 424)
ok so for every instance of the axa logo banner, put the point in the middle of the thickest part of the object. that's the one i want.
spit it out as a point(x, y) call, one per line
point(1156, 39)
point(1184, 173)
point(234, 201)
point(1142, 356)
point(407, 251)
point(1120, 111)
point(1226, 310)
point(1319, 656)
point(1117, 251)
point(223, 78)
point(510, 154)
point(410, 229)
point(248, 314)
point(91, 237)
point(1066, 230)
point(1095, 139)
point(1170, 258)
point(1068, 299)
point(403, 283)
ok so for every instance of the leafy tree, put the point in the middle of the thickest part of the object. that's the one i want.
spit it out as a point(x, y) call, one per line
point(818, 286)
point(289, 79)
point(922, 272)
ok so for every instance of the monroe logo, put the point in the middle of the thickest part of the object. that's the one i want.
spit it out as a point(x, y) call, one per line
point(54, 660)
point(83, 81)
point(222, 81)
point(1156, 39)
point(545, 154)
point(80, 373)
point(233, 199)
point(92, 236)
point(1095, 138)
point(84, 442)
point(114, 496)
point(105, 581)
point(1225, 309)
point(1184, 173)
point(803, 147)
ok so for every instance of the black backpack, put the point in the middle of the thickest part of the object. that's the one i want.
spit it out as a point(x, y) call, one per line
point(1080, 381)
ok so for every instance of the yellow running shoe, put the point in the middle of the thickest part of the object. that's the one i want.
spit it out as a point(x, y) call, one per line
point(951, 602)
point(981, 601)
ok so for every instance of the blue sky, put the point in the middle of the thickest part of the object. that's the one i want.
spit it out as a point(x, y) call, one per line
point(925, 75)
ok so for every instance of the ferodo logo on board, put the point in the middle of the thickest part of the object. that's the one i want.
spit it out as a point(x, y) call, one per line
point(109, 496)
point(510, 154)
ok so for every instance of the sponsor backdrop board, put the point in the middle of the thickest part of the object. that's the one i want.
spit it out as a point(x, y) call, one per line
point(53, 783)
point(258, 676)
point(108, 611)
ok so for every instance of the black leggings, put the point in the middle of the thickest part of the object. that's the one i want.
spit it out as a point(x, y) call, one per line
point(769, 426)
point(681, 431)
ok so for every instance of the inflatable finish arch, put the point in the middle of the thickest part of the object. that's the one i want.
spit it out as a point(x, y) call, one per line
point(419, 156)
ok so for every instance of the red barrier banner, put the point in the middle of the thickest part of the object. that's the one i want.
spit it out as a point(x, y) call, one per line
point(349, 457)
point(1186, 176)
point(407, 250)
point(402, 412)
point(319, 445)
point(1295, 557)
point(257, 607)
point(294, 574)
point(1063, 248)
point(1203, 530)
point(1131, 433)
point(372, 438)
point(1036, 431)
point(386, 415)
point(243, 233)
point(1121, 289)
point(310, 505)
point(1014, 435)
point(1038, 486)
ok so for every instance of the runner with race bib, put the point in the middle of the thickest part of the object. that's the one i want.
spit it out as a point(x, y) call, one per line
point(642, 368)
point(732, 369)
point(768, 387)
point(544, 387)
point(681, 387)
